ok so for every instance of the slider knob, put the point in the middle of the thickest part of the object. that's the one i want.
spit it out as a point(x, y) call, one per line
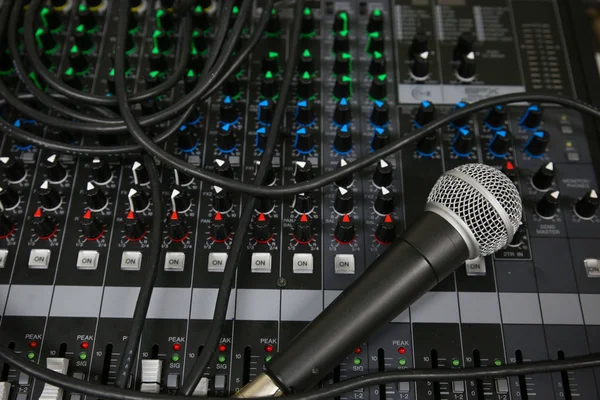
point(586, 207)
point(547, 206)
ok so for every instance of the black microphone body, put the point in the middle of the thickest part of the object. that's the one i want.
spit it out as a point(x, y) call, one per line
point(427, 252)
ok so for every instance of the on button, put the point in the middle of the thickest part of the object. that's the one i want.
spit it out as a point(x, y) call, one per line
point(131, 261)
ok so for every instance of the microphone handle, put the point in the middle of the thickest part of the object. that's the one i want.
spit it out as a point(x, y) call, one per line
point(426, 253)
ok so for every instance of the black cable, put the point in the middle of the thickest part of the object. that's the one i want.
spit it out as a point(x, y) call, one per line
point(239, 239)
point(415, 375)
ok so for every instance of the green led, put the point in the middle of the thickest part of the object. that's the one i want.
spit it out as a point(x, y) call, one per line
point(377, 12)
point(269, 75)
point(69, 72)
point(31, 355)
point(455, 362)
point(305, 75)
point(357, 361)
point(306, 53)
point(236, 10)
point(82, 356)
point(198, 9)
point(497, 362)
point(273, 11)
point(222, 359)
point(268, 358)
point(402, 361)
point(175, 357)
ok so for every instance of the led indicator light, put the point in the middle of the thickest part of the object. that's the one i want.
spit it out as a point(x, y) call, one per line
point(497, 362)
point(176, 346)
point(358, 350)
point(268, 348)
point(401, 350)
point(82, 356)
point(31, 355)
point(222, 359)
point(33, 344)
point(402, 361)
point(85, 345)
point(222, 348)
point(268, 358)
point(175, 357)
point(455, 362)
point(357, 361)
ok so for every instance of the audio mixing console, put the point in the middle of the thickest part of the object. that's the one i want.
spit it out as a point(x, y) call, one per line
point(74, 230)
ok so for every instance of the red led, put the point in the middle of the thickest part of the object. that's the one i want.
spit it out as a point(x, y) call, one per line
point(268, 348)
point(85, 345)
point(33, 344)
point(222, 347)
point(401, 350)
point(176, 346)
point(358, 350)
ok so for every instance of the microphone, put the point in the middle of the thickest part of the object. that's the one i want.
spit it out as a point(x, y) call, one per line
point(472, 211)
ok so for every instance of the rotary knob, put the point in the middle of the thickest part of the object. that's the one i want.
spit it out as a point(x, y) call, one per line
point(384, 174)
point(270, 177)
point(181, 179)
point(345, 231)
point(223, 168)
point(82, 39)
point(510, 171)
point(77, 60)
point(231, 87)
point(200, 42)
point(304, 143)
point(342, 114)
point(378, 89)
point(265, 112)
point(263, 205)
point(419, 44)
point(9, 199)
point(465, 72)
point(51, 17)
point(44, 226)
point(375, 42)
point(427, 146)
point(13, 169)
point(303, 203)
point(346, 181)
point(140, 174)
point(342, 87)
point(499, 144)
point(344, 201)
point(544, 176)
point(138, 199)
point(270, 62)
point(381, 138)
point(178, 230)
point(303, 171)
point(261, 231)
point(260, 141)
point(180, 201)
point(269, 87)
point(134, 228)
point(186, 141)
point(460, 122)
point(464, 45)
point(548, 205)
point(7, 226)
point(307, 28)
point(385, 232)
point(101, 171)
point(228, 111)
point(586, 206)
point(49, 197)
point(342, 143)
point(537, 143)
point(380, 114)
point(158, 62)
point(305, 114)
point(220, 230)
point(377, 65)
point(164, 19)
point(425, 114)
point(95, 198)
point(341, 21)
point(375, 23)
point(162, 40)
point(496, 117)
point(303, 233)
point(306, 88)
point(384, 203)
point(532, 117)
point(47, 40)
point(200, 19)
point(306, 63)
point(55, 170)
point(221, 200)
point(342, 64)
point(463, 142)
point(419, 68)
point(91, 226)
point(341, 42)
point(226, 141)
point(72, 80)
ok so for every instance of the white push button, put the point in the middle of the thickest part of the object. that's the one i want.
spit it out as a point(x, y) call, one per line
point(403, 387)
point(261, 263)
point(3, 257)
point(475, 267)
point(131, 261)
point(592, 267)
point(39, 259)
point(174, 261)
point(87, 259)
point(458, 386)
point(501, 385)
point(303, 263)
point(216, 262)
point(344, 264)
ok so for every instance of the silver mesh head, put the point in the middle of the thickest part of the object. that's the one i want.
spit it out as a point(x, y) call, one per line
point(484, 199)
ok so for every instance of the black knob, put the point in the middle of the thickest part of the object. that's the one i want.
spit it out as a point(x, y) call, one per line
point(186, 141)
point(375, 23)
point(200, 19)
point(499, 144)
point(91, 226)
point(381, 138)
point(139, 173)
point(496, 117)
point(164, 19)
point(44, 226)
point(307, 29)
point(132, 22)
point(96, 199)
point(425, 114)
point(260, 140)
point(306, 63)
point(181, 179)
point(304, 143)
point(55, 170)
point(153, 79)
point(378, 89)
point(467, 67)
point(231, 87)
point(510, 170)
point(544, 176)
point(343, 87)
point(586, 206)
point(200, 43)
point(385, 232)
point(263, 205)
point(463, 142)
point(57, 4)
point(520, 235)
point(342, 143)
point(303, 203)
point(341, 21)
point(537, 143)
point(134, 228)
point(547, 206)
point(82, 39)
point(342, 64)
point(384, 174)
point(303, 233)
point(101, 171)
point(265, 112)
point(77, 60)
point(7, 226)
point(229, 113)
point(341, 42)
point(270, 177)
point(87, 18)
point(178, 230)
point(305, 114)
point(51, 17)
point(270, 62)
point(223, 168)
point(9, 198)
point(220, 229)
point(345, 232)
point(180, 201)
point(460, 122)
point(306, 86)
point(162, 41)
point(342, 114)
point(419, 68)
point(346, 181)
point(380, 114)
point(261, 231)
point(269, 87)
point(376, 42)
point(384, 203)
point(139, 200)
point(419, 44)
point(221, 200)
point(72, 80)
point(273, 27)
point(47, 40)
point(49, 197)
point(377, 64)
point(532, 117)
point(303, 171)
point(464, 45)
point(158, 62)
point(427, 146)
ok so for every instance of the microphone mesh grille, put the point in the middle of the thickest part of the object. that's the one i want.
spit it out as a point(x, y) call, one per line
point(475, 210)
